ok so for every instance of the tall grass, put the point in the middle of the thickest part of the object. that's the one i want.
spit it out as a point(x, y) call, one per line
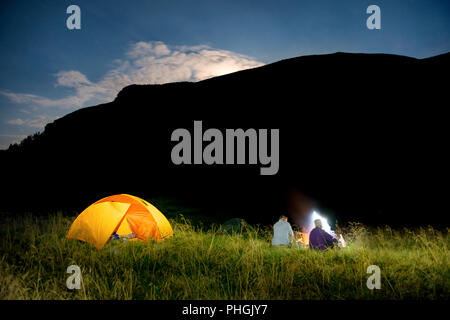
point(202, 263)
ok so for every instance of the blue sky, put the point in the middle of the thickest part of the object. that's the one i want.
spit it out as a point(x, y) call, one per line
point(48, 71)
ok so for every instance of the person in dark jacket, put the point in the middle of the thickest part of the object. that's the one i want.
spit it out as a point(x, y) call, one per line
point(320, 239)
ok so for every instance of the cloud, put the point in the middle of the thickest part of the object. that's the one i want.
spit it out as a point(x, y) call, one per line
point(151, 62)
point(144, 63)
point(38, 101)
point(18, 122)
point(72, 79)
point(154, 48)
point(12, 135)
point(37, 122)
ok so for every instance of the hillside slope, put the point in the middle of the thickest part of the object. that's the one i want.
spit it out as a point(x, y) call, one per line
point(364, 134)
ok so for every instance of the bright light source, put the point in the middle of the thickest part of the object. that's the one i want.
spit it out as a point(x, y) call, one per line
point(325, 226)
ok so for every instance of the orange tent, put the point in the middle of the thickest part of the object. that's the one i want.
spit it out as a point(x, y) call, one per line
point(122, 214)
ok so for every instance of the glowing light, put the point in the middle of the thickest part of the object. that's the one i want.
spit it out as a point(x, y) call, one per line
point(325, 226)
point(303, 237)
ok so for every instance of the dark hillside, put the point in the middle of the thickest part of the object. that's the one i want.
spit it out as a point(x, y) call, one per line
point(365, 135)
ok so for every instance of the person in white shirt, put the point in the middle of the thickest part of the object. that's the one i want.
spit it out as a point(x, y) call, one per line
point(282, 232)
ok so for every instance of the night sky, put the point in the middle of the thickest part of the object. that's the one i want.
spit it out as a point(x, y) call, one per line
point(48, 71)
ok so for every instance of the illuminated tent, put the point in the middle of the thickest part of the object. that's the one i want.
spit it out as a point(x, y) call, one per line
point(123, 214)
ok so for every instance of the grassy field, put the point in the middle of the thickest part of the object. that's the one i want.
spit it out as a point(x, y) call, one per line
point(201, 263)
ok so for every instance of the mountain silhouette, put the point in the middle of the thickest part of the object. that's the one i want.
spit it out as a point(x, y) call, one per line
point(362, 135)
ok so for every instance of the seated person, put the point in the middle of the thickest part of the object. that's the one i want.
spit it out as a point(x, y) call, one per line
point(320, 239)
point(282, 232)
